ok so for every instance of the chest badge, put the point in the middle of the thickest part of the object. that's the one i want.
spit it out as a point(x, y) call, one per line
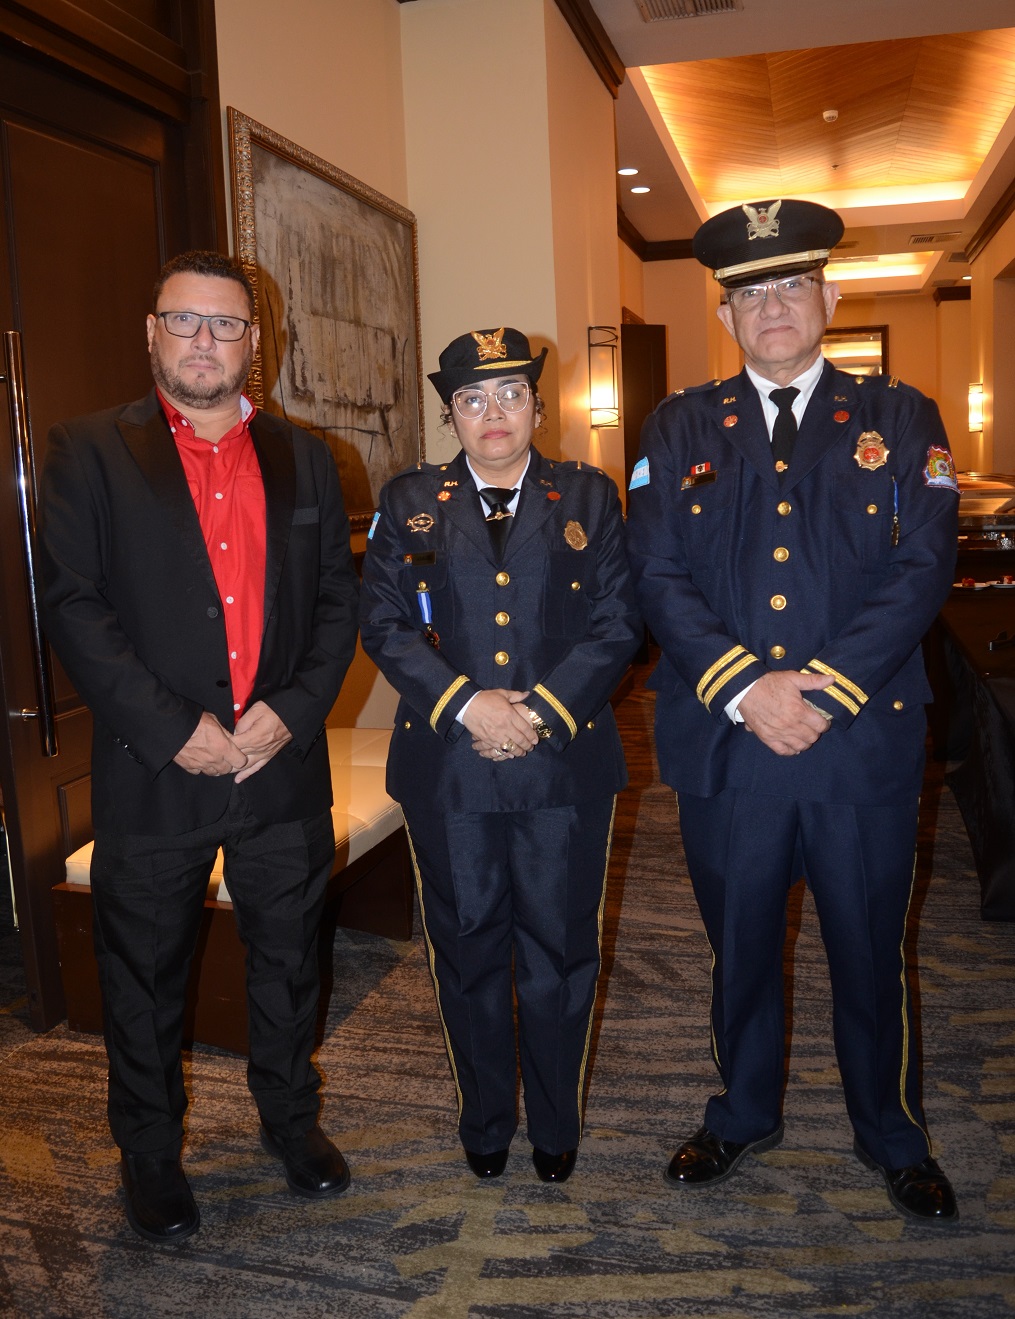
point(870, 451)
point(574, 534)
point(731, 420)
point(420, 522)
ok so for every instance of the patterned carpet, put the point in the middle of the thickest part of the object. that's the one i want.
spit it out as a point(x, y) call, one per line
point(801, 1231)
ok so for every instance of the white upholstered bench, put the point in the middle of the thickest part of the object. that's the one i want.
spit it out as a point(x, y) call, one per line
point(371, 890)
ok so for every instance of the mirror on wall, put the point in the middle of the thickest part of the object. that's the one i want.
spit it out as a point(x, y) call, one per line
point(859, 349)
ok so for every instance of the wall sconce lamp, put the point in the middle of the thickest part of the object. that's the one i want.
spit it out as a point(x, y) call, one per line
point(604, 396)
point(976, 407)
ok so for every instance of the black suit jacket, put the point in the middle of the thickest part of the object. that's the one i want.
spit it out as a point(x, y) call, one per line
point(556, 618)
point(131, 608)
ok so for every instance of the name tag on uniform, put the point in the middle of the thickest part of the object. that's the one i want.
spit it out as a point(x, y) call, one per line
point(425, 556)
point(697, 478)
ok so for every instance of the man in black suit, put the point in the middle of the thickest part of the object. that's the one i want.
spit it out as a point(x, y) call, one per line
point(200, 592)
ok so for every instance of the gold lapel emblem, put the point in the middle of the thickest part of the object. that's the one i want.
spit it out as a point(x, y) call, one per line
point(574, 534)
point(448, 484)
point(442, 495)
point(731, 399)
point(420, 522)
point(870, 451)
point(490, 346)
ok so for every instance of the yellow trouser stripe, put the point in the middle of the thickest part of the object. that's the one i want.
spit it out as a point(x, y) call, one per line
point(438, 709)
point(550, 699)
point(724, 678)
point(721, 663)
point(592, 1009)
point(904, 1069)
point(842, 680)
point(433, 969)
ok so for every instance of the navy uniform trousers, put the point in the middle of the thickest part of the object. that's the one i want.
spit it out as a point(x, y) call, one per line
point(836, 566)
point(522, 889)
point(148, 895)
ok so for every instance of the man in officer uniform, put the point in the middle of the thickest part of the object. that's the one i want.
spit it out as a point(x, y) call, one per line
point(792, 533)
point(498, 602)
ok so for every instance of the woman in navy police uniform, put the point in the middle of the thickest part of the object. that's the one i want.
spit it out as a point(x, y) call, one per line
point(497, 601)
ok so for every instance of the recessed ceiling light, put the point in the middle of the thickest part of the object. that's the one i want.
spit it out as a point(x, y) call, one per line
point(642, 189)
point(628, 169)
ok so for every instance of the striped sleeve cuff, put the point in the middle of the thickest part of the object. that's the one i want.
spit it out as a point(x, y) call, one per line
point(447, 707)
point(718, 675)
point(846, 693)
point(558, 712)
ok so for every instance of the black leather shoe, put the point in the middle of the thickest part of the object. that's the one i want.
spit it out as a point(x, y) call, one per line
point(487, 1165)
point(705, 1160)
point(554, 1167)
point(921, 1191)
point(160, 1206)
point(313, 1166)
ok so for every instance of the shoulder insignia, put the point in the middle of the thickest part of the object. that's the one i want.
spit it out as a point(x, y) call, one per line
point(893, 382)
point(939, 469)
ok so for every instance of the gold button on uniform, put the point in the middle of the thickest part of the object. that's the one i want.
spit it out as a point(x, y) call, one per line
point(778, 602)
point(695, 508)
point(872, 508)
point(421, 586)
point(407, 724)
point(501, 657)
point(576, 586)
point(896, 705)
point(778, 652)
point(780, 554)
point(502, 579)
point(784, 508)
point(502, 619)
point(591, 724)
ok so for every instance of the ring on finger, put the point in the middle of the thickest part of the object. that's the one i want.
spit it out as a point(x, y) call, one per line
point(508, 746)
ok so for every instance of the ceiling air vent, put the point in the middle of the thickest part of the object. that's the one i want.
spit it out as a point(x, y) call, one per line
point(933, 240)
point(652, 11)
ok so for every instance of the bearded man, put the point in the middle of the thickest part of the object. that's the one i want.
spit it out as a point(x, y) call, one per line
point(200, 592)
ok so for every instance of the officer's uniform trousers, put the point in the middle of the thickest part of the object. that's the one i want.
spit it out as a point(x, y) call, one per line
point(510, 856)
point(834, 567)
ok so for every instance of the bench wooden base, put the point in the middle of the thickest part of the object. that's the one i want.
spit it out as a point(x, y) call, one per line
point(373, 893)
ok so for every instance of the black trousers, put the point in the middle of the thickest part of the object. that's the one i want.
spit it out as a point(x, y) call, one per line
point(744, 852)
point(526, 889)
point(148, 893)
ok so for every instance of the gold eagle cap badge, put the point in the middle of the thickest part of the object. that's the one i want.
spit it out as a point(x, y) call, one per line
point(870, 451)
point(420, 522)
point(490, 347)
point(574, 534)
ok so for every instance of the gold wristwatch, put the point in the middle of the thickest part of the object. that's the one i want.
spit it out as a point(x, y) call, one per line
point(543, 729)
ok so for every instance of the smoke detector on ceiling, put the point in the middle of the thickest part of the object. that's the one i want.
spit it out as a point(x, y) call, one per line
point(653, 11)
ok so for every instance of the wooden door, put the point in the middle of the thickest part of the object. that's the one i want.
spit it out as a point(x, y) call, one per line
point(93, 197)
point(643, 365)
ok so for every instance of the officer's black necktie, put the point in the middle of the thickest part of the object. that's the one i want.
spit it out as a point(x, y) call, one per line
point(498, 520)
point(784, 430)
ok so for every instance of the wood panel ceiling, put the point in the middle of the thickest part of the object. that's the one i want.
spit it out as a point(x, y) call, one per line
point(922, 111)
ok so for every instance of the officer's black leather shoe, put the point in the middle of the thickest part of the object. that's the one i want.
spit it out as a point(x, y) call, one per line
point(705, 1160)
point(487, 1165)
point(160, 1206)
point(554, 1167)
point(921, 1191)
point(313, 1166)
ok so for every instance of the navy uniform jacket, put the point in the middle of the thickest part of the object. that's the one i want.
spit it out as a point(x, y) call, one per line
point(555, 619)
point(133, 612)
point(740, 570)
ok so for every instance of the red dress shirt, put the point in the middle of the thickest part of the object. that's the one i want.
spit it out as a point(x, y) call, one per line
point(225, 481)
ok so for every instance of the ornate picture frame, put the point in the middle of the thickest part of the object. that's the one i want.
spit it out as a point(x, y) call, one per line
point(335, 270)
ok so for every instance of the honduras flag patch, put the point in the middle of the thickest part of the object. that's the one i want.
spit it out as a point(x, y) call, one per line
point(639, 476)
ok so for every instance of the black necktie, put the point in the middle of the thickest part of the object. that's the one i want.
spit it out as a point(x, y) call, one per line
point(498, 519)
point(784, 430)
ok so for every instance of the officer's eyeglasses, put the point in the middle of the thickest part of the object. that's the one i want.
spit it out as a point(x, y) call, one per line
point(795, 288)
point(187, 325)
point(472, 403)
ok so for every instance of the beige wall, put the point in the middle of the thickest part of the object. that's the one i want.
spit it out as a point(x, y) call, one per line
point(993, 347)
point(324, 73)
point(677, 296)
point(632, 280)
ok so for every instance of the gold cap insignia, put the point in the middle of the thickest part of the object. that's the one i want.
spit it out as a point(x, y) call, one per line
point(763, 221)
point(420, 522)
point(574, 534)
point(490, 346)
point(870, 451)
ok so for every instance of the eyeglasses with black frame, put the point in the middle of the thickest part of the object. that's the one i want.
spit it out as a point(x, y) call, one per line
point(471, 402)
point(794, 288)
point(187, 325)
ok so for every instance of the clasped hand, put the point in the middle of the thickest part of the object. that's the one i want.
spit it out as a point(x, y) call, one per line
point(776, 711)
point(500, 724)
point(259, 734)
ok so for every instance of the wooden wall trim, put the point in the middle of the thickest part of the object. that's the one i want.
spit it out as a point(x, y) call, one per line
point(959, 293)
point(1005, 207)
point(584, 22)
point(670, 249)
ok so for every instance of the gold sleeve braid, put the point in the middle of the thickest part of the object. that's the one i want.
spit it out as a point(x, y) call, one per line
point(551, 700)
point(717, 675)
point(438, 709)
point(844, 691)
